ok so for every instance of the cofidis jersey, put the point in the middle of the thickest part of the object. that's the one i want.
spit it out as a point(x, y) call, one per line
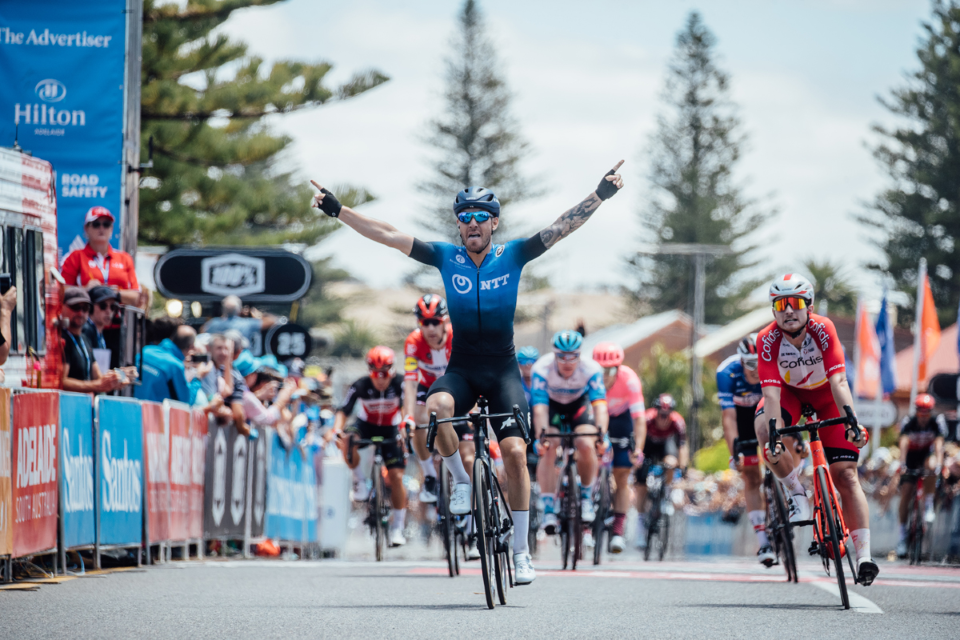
point(482, 300)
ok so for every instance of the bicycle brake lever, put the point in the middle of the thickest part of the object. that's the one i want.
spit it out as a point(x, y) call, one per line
point(518, 417)
point(774, 440)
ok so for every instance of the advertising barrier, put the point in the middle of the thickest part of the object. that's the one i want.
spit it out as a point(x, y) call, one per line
point(6, 464)
point(291, 493)
point(119, 471)
point(78, 522)
point(229, 474)
point(156, 456)
point(198, 463)
point(34, 474)
point(179, 419)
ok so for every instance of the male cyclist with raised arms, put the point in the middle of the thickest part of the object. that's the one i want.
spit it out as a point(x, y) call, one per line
point(426, 354)
point(738, 389)
point(801, 364)
point(921, 447)
point(379, 395)
point(568, 388)
point(666, 445)
point(483, 279)
point(627, 429)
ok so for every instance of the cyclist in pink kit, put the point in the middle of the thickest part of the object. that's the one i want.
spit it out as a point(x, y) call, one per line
point(627, 429)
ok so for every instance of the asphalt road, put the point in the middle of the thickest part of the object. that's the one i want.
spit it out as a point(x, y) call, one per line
point(410, 596)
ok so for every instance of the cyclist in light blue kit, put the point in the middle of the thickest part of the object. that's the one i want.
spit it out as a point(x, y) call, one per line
point(482, 282)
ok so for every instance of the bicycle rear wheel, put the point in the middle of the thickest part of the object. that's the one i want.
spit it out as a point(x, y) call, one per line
point(447, 528)
point(781, 532)
point(916, 532)
point(536, 517)
point(603, 511)
point(654, 517)
point(380, 533)
point(481, 519)
point(500, 560)
point(832, 529)
point(664, 534)
point(575, 518)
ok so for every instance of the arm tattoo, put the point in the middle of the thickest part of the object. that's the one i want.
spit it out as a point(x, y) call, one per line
point(570, 221)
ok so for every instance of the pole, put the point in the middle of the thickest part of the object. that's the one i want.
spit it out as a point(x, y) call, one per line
point(130, 216)
point(696, 366)
point(917, 336)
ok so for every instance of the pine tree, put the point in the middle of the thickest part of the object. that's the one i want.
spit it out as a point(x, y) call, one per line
point(204, 98)
point(832, 291)
point(694, 152)
point(919, 215)
point(477, 141)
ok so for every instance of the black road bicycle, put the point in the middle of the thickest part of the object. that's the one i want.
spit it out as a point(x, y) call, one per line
point(449, 525)
point(491, 513)
point(603, 503)
point(916, 525)
point(778, 528)
point(378, 513)
point(658, 521)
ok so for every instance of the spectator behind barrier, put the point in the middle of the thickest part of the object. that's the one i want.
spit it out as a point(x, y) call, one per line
point(164, 374)
point(227, 381)
point(7, 302)
point(99, 264)
point(231, 319)
point(264, 389)
point(106, 303)
point(80, 370)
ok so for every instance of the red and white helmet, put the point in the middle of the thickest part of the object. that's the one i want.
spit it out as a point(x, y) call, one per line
point(608, 354)
point(791, 284)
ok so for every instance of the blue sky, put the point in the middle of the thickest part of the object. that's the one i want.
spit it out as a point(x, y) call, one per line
point(587, 80)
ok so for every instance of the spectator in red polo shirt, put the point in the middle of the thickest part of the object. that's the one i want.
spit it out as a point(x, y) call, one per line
point(99, 263)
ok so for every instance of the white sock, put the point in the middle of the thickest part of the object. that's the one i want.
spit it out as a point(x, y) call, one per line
point(366, 462)
point(455, 464)
point(429, 470)
point(521, 527)
point(928, 502)
point(399, 515)
point(861, 542)
point(358, 474)
point(792, 483)
point(759, 521)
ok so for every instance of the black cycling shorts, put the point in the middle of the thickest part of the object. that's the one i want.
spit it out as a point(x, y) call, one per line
point(496, 378)
point(576, 413)
point(620, 430)
point(654, 453)
point(393, 457)
point(916, 460)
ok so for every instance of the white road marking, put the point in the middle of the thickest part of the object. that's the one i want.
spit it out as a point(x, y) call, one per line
point(857, 602)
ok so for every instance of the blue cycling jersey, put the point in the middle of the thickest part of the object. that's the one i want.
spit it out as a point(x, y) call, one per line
point(482, 300)
point(733, 388)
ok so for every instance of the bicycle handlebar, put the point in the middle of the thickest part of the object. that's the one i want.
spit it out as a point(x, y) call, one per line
point(476, 419)
point(849, 419)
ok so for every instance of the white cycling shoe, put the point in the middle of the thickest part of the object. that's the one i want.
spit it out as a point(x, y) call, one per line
point(361, 492)
point(397, 538)
point(550, 523)
point(460, 499)
point(929, 516)
point(799, 508)
point(428, 494)
point(766, 556)
point(588, 540)
point(587, 513)
point(472, 552)
point(617, 544)
point(523, 571)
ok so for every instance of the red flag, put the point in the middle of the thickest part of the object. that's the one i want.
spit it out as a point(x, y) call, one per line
point(929, 329)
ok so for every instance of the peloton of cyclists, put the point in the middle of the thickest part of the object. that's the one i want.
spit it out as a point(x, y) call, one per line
point(379, 395)
point(801, 364)
point(483, 280)
point(738, 389)
point(568, 388)
point(426, 354)
point(921, 447)
point(627, 429)
point(665, 445)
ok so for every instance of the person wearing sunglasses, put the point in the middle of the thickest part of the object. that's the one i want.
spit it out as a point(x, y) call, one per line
point(426, 353)
point(379, 395)
point(482, 283)
point(800, 364)
point(100, 264)
point(627, 428)
point(80, 370)
point(738, 390)
point(105, 305)
point(568, 388)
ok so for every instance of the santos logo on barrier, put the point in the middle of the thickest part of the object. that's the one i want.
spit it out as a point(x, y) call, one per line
point(78, 473)
point(122, 490)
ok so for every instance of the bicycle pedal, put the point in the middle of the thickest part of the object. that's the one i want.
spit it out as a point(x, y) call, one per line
point(814, 548)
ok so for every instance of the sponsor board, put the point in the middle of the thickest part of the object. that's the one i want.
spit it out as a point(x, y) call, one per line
point(227, 465)
point(34, 471)
point(76, 470)
point(6, 466)
point(291, 494)
point(156, 458)
point(179, 419)
point(120, 470)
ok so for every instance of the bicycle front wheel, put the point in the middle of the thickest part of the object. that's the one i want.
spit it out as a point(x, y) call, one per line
point(500, 561)
point(380, 532)
point(781, 533)
point(481, 518)
point(603, 512)
point(447, 528)
point(916, 531)
point(575, 518)
point(832, 529)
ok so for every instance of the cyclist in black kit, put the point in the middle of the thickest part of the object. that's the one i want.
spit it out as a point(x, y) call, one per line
point(481, 281)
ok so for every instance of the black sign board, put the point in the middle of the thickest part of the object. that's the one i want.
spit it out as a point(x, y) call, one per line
point(288, 340)
point(943, 386)
point(225, 490)
point(254, 274)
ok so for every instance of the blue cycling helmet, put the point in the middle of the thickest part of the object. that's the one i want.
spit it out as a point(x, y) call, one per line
point(479, 198)
point(527, 355)
point(567, 341)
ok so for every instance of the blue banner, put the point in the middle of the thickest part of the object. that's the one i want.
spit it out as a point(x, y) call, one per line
point(888, 352)
point(76, 478)
point(120, 470)
point(291, 494)
point(62, 73)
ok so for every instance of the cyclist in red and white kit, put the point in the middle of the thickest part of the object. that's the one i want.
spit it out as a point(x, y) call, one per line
point(379, 395)
point(426, 354)
point(801, 363)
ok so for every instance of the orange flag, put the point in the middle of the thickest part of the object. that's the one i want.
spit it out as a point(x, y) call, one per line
point(868, 354)
point(929, 329)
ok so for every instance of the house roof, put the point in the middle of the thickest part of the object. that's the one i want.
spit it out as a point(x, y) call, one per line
point(733, 331)
point(944, 360)
point(627, 335)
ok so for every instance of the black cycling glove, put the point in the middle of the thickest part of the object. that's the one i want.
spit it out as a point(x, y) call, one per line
point(607, 189)
point(330, 205)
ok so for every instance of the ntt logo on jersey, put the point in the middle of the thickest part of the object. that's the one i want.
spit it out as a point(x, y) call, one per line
point(462, 284)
